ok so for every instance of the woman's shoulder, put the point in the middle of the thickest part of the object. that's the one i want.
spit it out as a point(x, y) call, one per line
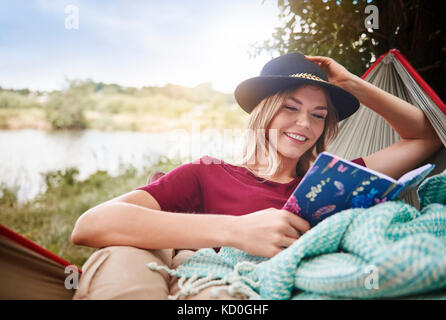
point(201, 165)
point(228, 164)
point(210, 164)
point(207, 160)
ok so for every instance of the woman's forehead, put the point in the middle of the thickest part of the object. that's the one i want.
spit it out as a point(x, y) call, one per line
point(311, 93)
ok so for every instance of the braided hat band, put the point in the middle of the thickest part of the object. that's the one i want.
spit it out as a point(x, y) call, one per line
point(306, 76)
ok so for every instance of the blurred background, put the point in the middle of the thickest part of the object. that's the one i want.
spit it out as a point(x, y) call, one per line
point(97, 95)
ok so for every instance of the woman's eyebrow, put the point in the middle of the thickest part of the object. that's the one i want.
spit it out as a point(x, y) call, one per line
point(299, 102)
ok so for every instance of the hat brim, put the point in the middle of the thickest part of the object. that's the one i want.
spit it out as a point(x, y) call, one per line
point(250, 92)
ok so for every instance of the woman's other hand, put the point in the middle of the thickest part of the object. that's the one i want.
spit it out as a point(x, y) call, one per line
point(267, 232)
point(336, 73)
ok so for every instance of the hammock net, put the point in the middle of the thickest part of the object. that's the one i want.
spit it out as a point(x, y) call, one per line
point(365, 132)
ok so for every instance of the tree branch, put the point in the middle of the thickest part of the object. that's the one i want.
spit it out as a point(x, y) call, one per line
point(415, 28)
point(429, 67)
point(377, 34)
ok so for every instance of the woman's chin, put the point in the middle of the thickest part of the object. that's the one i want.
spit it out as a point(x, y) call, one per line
point(291, 154)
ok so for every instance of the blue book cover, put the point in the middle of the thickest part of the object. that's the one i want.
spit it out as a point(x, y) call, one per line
point(333, 184)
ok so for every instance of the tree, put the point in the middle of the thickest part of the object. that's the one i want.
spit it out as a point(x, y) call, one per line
point(66, 109)
point(335, 28)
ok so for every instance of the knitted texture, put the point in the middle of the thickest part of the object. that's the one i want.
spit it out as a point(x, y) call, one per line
point(391, 250)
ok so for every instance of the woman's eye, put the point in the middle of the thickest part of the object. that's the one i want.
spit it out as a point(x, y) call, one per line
point(314, 115)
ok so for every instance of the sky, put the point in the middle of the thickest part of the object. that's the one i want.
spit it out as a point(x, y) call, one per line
point(133, 43)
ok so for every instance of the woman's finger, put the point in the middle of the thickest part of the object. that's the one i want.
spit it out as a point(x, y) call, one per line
point(287, 242)
point(317, 58)
point(292, 232)
point(322, 62)
point(299, 223)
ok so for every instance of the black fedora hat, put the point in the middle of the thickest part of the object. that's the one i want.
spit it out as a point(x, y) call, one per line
point(288, 71)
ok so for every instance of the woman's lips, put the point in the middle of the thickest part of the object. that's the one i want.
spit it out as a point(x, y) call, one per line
point(295, 140)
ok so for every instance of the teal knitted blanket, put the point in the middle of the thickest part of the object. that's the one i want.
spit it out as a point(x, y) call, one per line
point(391, 250)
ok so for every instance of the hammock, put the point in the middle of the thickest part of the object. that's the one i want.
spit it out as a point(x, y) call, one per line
point(391, 73)
point(28, 271)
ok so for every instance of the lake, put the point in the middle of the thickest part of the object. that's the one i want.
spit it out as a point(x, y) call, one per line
point(25, 154)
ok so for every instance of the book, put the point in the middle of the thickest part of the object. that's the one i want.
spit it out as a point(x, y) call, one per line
point(333, 184)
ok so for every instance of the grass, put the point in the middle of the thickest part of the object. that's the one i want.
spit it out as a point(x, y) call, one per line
point(19, 118)
point(48, 220)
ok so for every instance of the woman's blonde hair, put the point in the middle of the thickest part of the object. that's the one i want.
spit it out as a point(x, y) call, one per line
point(258, 147)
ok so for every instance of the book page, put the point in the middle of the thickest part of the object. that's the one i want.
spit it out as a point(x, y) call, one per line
point(376, 173)
point(411, 174)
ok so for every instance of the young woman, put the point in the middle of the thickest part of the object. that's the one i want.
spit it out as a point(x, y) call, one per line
point(295, 105)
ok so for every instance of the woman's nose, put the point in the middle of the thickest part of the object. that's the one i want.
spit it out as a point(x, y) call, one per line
point(303, 120)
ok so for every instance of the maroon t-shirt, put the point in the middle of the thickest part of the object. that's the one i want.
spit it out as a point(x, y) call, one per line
point(210, 185)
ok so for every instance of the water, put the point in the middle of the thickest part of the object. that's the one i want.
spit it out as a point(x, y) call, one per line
point(25, 154)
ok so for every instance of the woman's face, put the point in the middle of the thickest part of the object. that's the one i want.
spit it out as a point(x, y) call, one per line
point(299, 122)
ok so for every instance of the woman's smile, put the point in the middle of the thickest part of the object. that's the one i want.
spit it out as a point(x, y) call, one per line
point(296, 138)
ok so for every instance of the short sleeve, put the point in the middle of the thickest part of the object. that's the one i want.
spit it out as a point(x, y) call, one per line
point(179, 190)
point(359, 161)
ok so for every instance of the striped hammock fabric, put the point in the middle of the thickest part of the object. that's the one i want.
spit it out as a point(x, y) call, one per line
point(365, 132)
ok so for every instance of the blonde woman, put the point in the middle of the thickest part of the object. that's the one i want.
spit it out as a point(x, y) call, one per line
point(295, 105)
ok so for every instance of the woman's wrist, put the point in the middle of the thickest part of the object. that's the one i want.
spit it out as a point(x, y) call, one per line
point(229, 231)
point(352, 84)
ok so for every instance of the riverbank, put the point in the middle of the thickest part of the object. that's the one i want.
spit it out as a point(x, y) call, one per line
point(90, 105)
point(18, 119)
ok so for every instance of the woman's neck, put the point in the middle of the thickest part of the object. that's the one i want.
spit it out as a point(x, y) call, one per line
point(286, 172)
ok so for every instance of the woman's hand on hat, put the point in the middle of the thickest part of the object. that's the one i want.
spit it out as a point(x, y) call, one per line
point(267, 232)
point(337, 74)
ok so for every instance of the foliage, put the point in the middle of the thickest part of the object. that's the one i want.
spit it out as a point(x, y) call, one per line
point(331, 28)
point(66, 109)
point(24, 92)
point(88, 104)
point(54, 179)
point(8, 196)
point(17, 99)
point(335, 28)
